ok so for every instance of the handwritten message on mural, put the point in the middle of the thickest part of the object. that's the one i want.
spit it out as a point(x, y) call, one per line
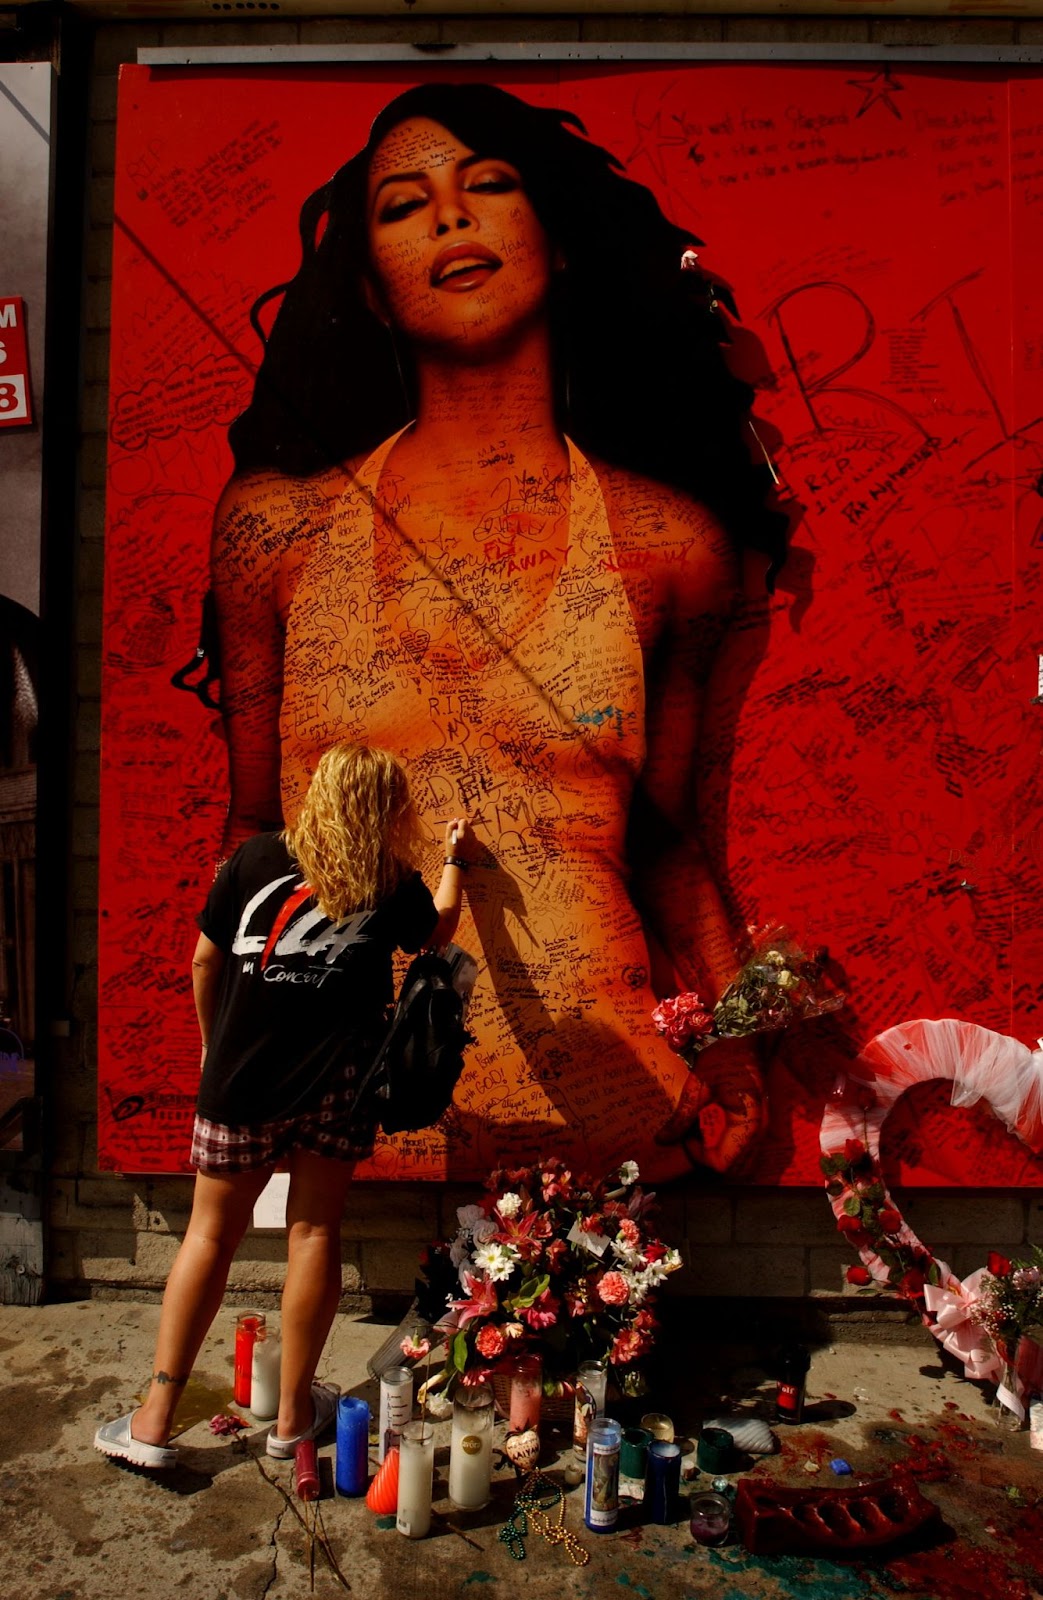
point(543, 636)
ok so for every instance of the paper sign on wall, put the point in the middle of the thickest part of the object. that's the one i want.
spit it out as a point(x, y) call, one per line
point(15, 397)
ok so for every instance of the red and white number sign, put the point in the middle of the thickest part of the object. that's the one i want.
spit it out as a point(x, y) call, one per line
point(15, 399)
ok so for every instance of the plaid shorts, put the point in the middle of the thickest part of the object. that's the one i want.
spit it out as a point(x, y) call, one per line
point(335, 1130)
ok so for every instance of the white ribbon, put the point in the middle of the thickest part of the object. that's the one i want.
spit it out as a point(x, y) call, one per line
point(954, 1329)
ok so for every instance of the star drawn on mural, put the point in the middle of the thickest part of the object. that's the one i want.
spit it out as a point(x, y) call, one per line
point(658, 132)
point(881, 86)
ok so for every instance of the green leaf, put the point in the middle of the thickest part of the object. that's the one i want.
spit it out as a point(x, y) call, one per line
point(835, 1189)
point(852, 1206)
point(458, 1352)
point(530, 1292)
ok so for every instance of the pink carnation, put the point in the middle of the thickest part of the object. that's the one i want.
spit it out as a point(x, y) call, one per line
point(629, 1232)
point(227, 1422)
point(490, 1342)
point(612, 1289)
point(682, 1019)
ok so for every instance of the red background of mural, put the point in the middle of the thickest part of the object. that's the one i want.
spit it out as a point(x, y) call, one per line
point(872, 743)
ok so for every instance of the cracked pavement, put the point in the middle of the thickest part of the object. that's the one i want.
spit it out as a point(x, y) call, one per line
point(225, 1522)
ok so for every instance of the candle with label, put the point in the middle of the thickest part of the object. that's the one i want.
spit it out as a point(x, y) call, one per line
point(792, 1376)
point(471, 1447)
point(415, 1474)
point(591, 1383)
point(601, 1499)
point(396, 1402)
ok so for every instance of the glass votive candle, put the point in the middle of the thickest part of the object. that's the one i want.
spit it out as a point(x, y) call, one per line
point(526, 1393)
point(471, 1447)
point(710, 1517)
point(415, 1477)
point(659, 1426)
point(248, 1328)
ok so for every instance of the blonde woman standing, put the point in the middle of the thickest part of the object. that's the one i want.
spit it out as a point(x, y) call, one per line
point(291, 975)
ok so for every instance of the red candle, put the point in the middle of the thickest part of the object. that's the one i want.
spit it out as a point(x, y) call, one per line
point(306, 1469)
point(245, 1339)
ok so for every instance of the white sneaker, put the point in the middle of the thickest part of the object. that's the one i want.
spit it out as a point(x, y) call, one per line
point(116, 1439)
point(324, 1398)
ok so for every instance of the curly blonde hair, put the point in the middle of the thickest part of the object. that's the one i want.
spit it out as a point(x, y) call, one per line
point(358, 834)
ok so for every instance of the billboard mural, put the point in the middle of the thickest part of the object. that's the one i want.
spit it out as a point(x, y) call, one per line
point(495, 498)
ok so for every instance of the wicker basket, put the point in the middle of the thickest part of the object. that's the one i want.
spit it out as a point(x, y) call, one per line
point(558, 1408)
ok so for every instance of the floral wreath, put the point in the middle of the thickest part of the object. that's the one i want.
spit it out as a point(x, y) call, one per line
point(982, 1066)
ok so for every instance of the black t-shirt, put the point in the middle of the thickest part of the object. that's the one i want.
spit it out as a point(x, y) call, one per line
point(300, 997)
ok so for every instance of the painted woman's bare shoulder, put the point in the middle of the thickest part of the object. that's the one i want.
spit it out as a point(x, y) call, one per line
point(651, 520)
point(264, 518)
point(274, 498)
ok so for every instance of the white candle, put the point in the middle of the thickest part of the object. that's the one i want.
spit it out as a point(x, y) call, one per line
point(264, 1375)
point(471, 1448)
point(396, 1402)
point(416, 1465)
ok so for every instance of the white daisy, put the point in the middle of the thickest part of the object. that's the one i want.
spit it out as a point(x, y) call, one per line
point(495, 1260)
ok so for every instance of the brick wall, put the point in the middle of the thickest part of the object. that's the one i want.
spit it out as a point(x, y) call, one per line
point(118, 1236)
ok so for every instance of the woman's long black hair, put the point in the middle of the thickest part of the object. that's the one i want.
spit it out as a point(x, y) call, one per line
point(640, 376)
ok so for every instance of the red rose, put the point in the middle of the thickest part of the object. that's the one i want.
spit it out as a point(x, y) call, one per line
point(848, 1224)
point(998, 1265)
point(911, 1284)
point(889, 1219)
point(859, 1275)
point(654, 1251)
point(854, 1150)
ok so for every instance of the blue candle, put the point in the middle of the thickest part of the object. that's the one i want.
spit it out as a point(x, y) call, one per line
point(663, 1481)
point(352, 1445)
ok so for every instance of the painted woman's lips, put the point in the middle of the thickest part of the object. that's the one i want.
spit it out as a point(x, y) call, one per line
point(461, 265)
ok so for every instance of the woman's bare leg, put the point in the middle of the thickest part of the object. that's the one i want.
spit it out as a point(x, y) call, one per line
point(314, 1207)
point(221, 1209)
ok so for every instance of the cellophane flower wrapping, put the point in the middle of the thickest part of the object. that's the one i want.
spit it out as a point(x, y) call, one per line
point(778, 984)
point(553, 1263)
point(1010, 1309)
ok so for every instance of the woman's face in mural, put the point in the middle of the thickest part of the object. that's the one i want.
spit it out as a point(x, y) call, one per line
point(458, 255)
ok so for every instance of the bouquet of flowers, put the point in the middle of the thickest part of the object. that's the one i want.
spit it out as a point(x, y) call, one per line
point(778, 984)
point(554, 1264)
point(1010, 1310)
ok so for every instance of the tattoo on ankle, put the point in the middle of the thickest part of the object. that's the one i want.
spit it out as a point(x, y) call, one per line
point(165, 1377)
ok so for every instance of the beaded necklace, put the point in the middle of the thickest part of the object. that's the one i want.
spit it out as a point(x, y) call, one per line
point(536, 1498)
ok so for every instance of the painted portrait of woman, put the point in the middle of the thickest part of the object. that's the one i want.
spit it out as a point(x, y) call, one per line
point(491, 499)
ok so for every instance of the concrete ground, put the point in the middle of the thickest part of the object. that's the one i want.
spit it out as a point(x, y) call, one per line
point(224, 1523)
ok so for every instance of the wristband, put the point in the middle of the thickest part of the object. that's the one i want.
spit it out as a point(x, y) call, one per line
point(457, 861)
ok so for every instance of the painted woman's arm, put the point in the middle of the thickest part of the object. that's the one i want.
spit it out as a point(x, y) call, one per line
point(243, 573)
point(682, 596)
point(682, 591)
